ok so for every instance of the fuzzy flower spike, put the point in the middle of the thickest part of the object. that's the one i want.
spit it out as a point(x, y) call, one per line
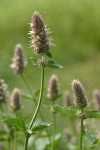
point(18, 59)
point(53, 92)
point(80, 99)
point(39, 35)
point(15, 100)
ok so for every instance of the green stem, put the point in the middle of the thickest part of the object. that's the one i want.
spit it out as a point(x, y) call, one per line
point(54, 126)
point(30, 91)
point(40, 99)
point(26, 143)
point(15, 140)
point(37, 108)
point(81, 133)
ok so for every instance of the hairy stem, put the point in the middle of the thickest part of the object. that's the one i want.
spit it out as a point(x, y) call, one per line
point(81, 133)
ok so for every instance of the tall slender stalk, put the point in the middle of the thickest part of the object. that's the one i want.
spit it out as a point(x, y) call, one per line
point(81, 133)
point(40, 99)
point(15, 139)
point(30, 91)
point(54, 126)
point(38, 106)
point(26, 143)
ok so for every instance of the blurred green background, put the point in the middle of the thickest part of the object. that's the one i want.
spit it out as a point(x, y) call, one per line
point(75, 26)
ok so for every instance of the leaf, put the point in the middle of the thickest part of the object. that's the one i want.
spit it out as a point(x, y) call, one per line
point(44, 144)
point(92, 136)
point(48, 54)
point(56, 139)
point(93, 114)
point(52, 64)
point(37, 126)
point(64, 109)
point(2, 132)
point(16, 122)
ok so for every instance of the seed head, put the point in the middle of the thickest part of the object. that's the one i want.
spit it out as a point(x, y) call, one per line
point(3, 88)
point(15, 100)
point(18, 60)
point(96, 98)
point(79, 95)
point(39, 35)
point(53, 88)
point(66, 99)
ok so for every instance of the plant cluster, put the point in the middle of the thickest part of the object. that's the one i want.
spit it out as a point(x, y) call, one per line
point(14, 124)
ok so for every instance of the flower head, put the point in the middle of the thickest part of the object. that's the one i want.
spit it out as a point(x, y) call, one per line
point(18, 59)
point(3, 88)
point(53, 92)
point(79, 95)
point(15, 100)
point(39, 35)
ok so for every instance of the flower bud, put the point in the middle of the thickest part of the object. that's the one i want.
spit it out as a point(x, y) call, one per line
point(18, 60)
point(80, 99)
point(53, 88)
point(81, 115)
point(15, 100)
point(96, 98)
point(3, 88)
point(39, 35)
point(66, 99)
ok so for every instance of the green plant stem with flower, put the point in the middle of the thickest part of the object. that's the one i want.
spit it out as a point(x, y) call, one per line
point(37, 108)
point(40, 113)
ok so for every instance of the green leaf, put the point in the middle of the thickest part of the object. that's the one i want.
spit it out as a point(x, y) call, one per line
point(52, 64)
point(93, 114)
point(15, 122)
point(48, 54)
point(44, 144)
point(64, 109)
point(37, 126)
point(92, 136)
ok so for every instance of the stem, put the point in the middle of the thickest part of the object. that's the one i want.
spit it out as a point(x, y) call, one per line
point(81, 133)
point(30, 91)
point(26, 143)
point(37, 108)
point(54, 126)
point(15, 140)
point(40, 99)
